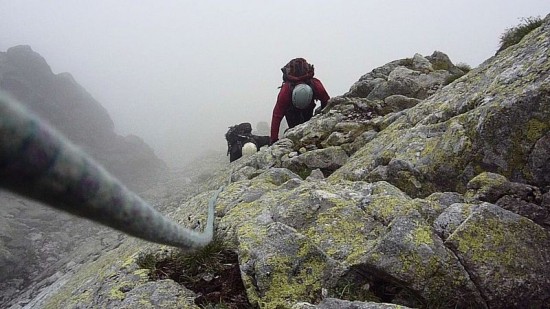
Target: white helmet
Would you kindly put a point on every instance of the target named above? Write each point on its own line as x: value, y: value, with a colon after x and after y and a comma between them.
x: 302, y: 95
x: 249, y: 149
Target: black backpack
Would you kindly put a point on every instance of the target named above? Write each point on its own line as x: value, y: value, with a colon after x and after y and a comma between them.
x: 236, y: 137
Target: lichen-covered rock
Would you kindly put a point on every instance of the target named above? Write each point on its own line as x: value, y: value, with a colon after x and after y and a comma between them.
x: 359, y: 141
x: 490, y: 121
x: 506, y: 255
x: 523, y: 199
x: 159, y: 294
x: 334, y: 303
x: 375, y: 229
x: 451, y: 218
x: 280, y: 266
x: 116, y: 281
x: 440, y: 61
x: 539, y: 159
x: 487, y: 187
x: 416, y: 77
x: 327, y: 159
x: 395, y: 103
x: 410, y: 251
x: 446, y: 199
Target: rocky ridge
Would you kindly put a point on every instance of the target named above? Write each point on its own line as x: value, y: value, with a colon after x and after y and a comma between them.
x: 404, y: 192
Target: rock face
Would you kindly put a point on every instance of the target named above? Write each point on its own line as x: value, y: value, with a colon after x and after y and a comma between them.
x: 59, y: 99
x: 404, y: 192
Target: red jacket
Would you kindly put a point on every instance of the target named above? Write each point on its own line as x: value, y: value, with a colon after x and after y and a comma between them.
x: 284, y: 101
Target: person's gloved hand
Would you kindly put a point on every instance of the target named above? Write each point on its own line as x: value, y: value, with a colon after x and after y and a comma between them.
x: 318, y: 110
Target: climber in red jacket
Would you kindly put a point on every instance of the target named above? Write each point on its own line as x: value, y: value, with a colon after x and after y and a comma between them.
x: 296, y: 99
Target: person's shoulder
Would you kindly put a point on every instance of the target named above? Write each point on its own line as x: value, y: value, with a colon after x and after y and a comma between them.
x: 285, y: 87
x: 317, y: 82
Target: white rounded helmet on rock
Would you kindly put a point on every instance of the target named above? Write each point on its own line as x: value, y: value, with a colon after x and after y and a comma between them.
x: 249, y: 149
x: 302, y: 94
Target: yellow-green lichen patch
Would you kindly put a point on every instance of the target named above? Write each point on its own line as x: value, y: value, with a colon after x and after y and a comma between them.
x: 502, y: 251
x: 489, y: 241
x: 487, y: 180
x: 142, y: 273
x: 445, y: 156
x: 343, y: 233
x: 77, y: 289
x: 244, y: 212
x: 416, y: 267
x: 428, y: 209
x: 428, y: 267
x: 419, y: 253
x: 81, y: 300
x: 299, y: 207
x: 303, y: 285
x: 241, y: 216
x: 250, y: 235
x: 282, y: 266
x: 230, y: 195
x: 385, y: 208
x: 129, y: 261
x: 422, y: 235
x: 365, y: 159
x: 116, y: 292
x: 483, y: 184
x: 385, y: 188
x: 536, y: 129
x: 267, y: 183
x: 492, y: 236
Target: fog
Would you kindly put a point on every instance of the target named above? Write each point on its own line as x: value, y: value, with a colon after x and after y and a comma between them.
x: 179, y: 73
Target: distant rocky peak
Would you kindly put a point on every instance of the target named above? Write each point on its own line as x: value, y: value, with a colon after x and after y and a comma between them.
x: 28, y: 60
x: 64, y: 103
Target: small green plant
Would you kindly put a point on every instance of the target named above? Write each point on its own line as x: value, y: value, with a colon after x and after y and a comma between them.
x: 209, y: 259
x: 407, y: 62
x: 439, y: 64
x: 303, y: 172
x: 452, y: 78
x: 513, y: 35
x: 354, y: 292
x: 212, y: 272
x: 464, y: 67
x: 147, y: 260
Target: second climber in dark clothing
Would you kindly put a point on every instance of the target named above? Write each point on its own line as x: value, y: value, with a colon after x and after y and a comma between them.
x: 296, y: 99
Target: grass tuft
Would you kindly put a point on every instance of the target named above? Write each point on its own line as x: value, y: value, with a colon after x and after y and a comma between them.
x: 513, y: 35
x: 212, y: 272
x: 464, y: 67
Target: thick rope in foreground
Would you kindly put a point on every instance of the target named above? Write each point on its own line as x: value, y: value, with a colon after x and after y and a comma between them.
x: 38, y: 162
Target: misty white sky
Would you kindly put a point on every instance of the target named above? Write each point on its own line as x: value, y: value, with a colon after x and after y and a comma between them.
x: 178, y: 73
